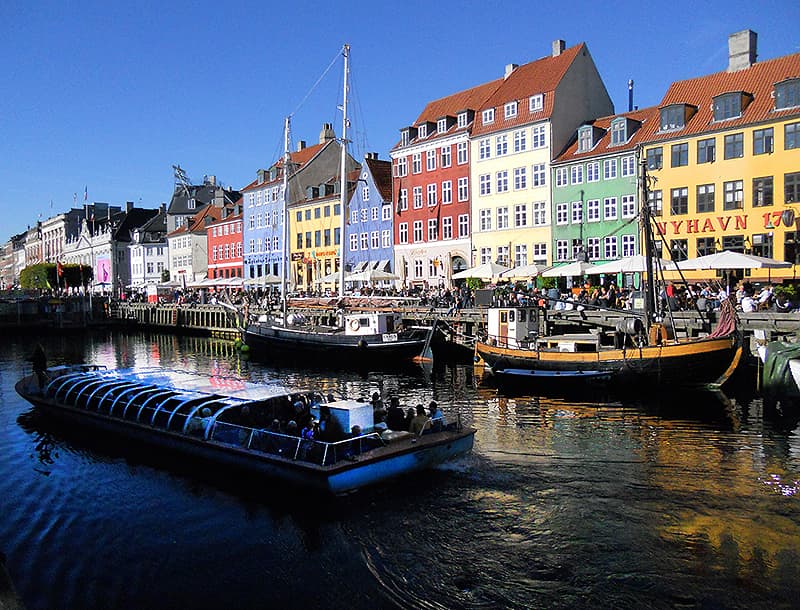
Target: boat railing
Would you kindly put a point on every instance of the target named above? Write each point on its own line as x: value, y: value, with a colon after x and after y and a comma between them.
x: 293, y: 447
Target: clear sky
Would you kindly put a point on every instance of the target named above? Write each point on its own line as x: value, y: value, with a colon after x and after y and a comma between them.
x: 107, y: 96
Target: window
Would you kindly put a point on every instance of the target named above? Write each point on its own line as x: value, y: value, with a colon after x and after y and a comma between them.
x: 484, y: 149
x: 538, y: 174
x: 386, y: 212
x: 705, y: 245
x: 585, y: 140
x: 417, y: 230
x: 501, y: 145
x: 791, y: 136
x: 577, y: 212
x: 402, y: 204
x: 593, y: 248
x: 734, y: 195
x: 416, y: 163
x: 353, y: 217
x: 422, y: 131
x: 791, y: 247
x: 485, y: 184
x: 447, y: 227
x: 364, y: 196
x: 520, y: 178
x: 562, y: 213
x: 488, y: 116
x: 446, y: 156
x: 520, y: 255
x: 610, y: 208
x: 520, y: 140
x: 537, y: 138
x: 628, y: 166
x: 502, y: 255
x: 762, y: 191
x: 510, y: 110
x: 705, y: 198
x: 536, y: 102
x: 433, y: 229
x: 354, y: 242
x: 308, y: 239
x: 463, y: 188
x: 593, y: 210
x: 705, y: 151
x: 463, y: 225
x: 402, y: 232
x: 762, y: 141
x: 386, y: 239
x: 520, y: 215
x: 417, y: 268
x: 462, y: 153
x: 791, y: 186
x: 762, y: 244
x: 375, y: 213
x: 593, y: 171
x: 787, y: 94
x: 540, y: 253
x: 417, y: 192
x: 610, y: 246
x: 619, y: 132
x: 486, y: 255
x: 192, y: 204
x: 462, y: 119
x: 609, y: 169
x: 502, y: 181
x: 679, y: 200
x: 734, y: 146
x: 673, y: 117
x: 628, y: 245
x: 562, y: 249
x: 299, y: 242
x: 576, y: 174
x: 628, y: 203
x: 577, y: 248
x: 679, y: 249
x: 539, y: 213
x: 447, y: 191
x: 431, y: 195
x: 680, y: 155
x: 561, y: 176
x: 485, y: 219
x: 655, y: 158
x: 364, y: 215
x: 502, y: 217
x: 326, y: 238
x: 364, y: 241
x: 430, y: 160
x: 727, y: 106
x: 441, y: 125
x: 734, y: 243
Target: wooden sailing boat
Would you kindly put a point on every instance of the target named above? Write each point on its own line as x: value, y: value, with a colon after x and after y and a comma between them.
x: 640, y: 352
x: 369, y: 336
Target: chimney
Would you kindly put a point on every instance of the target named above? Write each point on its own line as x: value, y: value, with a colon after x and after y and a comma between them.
x: 741, y: 50
x: 326, y: 133
x: 301, y: 145
x: 509, y: 69
x: 211, y: 180
x: 128, y: 206
x: 630, y: 95
x: 371, y: 155
x: 162, y: 208
x: 558, y: 47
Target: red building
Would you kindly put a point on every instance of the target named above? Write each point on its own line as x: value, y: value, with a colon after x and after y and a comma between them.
x: 225, y: 246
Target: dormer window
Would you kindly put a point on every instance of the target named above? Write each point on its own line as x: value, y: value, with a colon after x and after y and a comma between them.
x: 787, y: 94
x: 422, y: 131
x: 585, y: 139
x: 729, y: 105
x: 192, y: 204
x: 619, y: 132
x: 441, y: 125
x: 488, y: 116
x: 462, y: 119
x: 673, y: 117
x: 510, y: 110
x: 536, y: 102
x: 404, y: 137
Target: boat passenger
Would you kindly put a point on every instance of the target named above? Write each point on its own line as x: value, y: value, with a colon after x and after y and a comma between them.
x: 39, y: 364
x: 330, y: 430
x: 437, y: 417
x: 420, y: 422
x: 395, y: 418
x: 410, y: 414
x: 291, y: 428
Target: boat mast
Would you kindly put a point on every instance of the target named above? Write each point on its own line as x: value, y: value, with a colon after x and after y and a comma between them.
x: 650, y: 294
x: 285, y: 216
x: 343, y: 174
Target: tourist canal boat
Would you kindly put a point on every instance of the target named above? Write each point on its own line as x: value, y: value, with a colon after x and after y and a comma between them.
x: 230, y: 422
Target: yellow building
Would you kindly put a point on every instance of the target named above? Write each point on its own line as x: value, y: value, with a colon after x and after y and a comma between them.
x: 315, y: 236
x: 725, y: 156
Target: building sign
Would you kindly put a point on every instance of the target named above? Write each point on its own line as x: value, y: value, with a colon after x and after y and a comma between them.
x: 738, y: 222
x: 103, y: 275
x: 297, y: 256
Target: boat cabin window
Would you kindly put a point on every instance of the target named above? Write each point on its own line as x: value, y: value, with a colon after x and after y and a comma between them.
x: 511, y: 316
x: 503, y: 317
x: 522, y: 315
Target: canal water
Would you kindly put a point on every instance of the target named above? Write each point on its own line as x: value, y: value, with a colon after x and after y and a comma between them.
x: 686, y: 501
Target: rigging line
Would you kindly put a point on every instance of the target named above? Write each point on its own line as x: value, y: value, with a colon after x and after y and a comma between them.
x: 314, y: 86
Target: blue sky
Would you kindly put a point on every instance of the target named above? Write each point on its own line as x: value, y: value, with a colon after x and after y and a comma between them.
x: 108, y: 96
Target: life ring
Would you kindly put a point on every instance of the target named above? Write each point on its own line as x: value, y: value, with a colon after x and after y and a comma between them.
x: 354, y: 325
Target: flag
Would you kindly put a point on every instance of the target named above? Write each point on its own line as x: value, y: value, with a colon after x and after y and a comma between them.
x: 86, y: 193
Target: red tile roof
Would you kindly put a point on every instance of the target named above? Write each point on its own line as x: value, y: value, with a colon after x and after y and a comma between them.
x: 757, y: 80
x: 382, y: 175
x: 645, y: 116
x: 298, y: 157
x: 540, y: 76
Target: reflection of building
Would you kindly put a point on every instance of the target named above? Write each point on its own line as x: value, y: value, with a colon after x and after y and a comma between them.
x: 726, y: 155
x: 596, y: 190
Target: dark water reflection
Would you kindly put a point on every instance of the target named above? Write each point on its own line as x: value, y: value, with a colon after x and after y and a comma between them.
x: 590, y: 501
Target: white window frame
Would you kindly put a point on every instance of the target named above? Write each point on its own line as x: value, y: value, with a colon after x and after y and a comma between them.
x: 593, y: 210
x: 536, y: 102
x: 487, y: 116
x: 510, y: 110
x: 610, y: 208
x: 463, y: 188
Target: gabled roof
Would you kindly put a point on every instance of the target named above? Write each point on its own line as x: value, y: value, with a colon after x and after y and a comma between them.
x: 540, y: 76
x: 603, y: 146
x: 381, y: 172
x: 198, y: 222
x: 298, y: 158
x: 758, y: 80
x: 156, y: 225
x: 128, y: 221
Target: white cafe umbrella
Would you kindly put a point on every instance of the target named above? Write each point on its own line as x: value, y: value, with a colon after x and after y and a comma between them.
x: 331, y: 278
x: 485, y: 271
x: 530, y: 270
x: 732, y: 260
x: 269, y: 278
x: 570, y: 270
x: 371, y: 275
x: 632, y: 264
